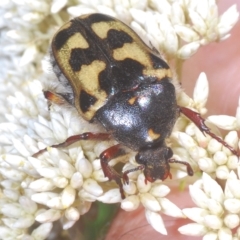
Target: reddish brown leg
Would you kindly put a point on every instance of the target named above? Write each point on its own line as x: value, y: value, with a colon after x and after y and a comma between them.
x: 125, y: 174
x: 199, y: 122
x: 75, y: 138
x: 105, y: 157
x: 189, y: 168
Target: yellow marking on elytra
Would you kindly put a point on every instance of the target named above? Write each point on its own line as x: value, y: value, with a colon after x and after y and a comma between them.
x: 132, y: 100
x: 101, y: 29
x: 88, y: 79
x: 152, y: 135
x: 159, y: 73
x: 134, y: 51
x: 88, y: 76
x: 77, y: 41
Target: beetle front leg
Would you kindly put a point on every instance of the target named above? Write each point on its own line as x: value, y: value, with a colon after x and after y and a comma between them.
x: 189, y: 168
x: 76, y: 138
x: 105, y: 157
x: 199, y: 122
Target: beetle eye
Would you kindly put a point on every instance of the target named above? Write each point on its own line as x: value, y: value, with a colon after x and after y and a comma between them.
x: 169, y: 153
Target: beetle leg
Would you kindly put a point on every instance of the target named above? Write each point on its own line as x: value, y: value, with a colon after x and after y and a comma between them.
x: 75, y: 138
x: 189, y: 168
x: 125, y: 174
x: 105, y: 157
x: 199, y: 122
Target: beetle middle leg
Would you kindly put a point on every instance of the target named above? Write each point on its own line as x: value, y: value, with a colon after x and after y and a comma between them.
x: 199, y: 122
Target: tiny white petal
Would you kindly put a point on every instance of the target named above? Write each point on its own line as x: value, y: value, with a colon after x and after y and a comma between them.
x: 232, y: 139
x: 72, y: 214
x: 84, y: 207
x: 27, y: 204
x: 207, y: 165
x: 198, y: 23
x: 195, y: 214
x: 232, y: 162
x: 215, y: 207
x: 12, y: 210
x: 222, y: 172
x: 111, y: 196
x: 50, y: 215
x: 84, y: 166
x: 76, y: 180
x: 78, y: 10
x: 48, y: 172
x: 171, y: 43
x: 212, y: 188
x: 25, y: 222
x: 156, y: 221
x: 214, y: 146
x: 99, y: 176
x: 198, y: 196
x: 55, y: 203
x: 67, y: 224
x: 57, y: 5
x: 106, y: 10
x: 141, y: 185
x: 60, y: 182
x: 59, y: 130
x: 86, y: 196
x: 170, y: 208
x: 29, y: 55
x: 92, y: 187
x: 43, y: 197
x: 188, y: 50
x: 234, y: 186
x: 43, y: 131
x: 66, y: 168
x: 186, y: 141
x: 150, y: 202
x: 186, y: 33
x: 11, y: 194
x: 68, y: 196
x: 193, y: 229
x: 224, y: 234
x: 130, y: 203
x: 177, y: 13
x: 232, y: 205
x: 210, y: 236
x: 159, y: 190
x: 42, y: 185
x: 42, y: 231
x: 231, y: 220
x: 130, y: 188
x: 224, y: 121
x: 213, y: 221
x: 201, y: 90
x: 228, y: 20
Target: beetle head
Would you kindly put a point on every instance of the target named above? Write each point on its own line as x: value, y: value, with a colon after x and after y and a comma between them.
x: 155, y: 162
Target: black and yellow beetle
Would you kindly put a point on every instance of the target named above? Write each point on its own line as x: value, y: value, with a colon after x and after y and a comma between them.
x: 112, y: 77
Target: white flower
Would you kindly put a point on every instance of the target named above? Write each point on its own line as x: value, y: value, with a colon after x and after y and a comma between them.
x: 218, y: 210
x: 61, y: 184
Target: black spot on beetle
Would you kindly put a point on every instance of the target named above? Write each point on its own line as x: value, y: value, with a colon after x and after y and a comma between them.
x: 116, y: 39
x: 86, y: 101
x: 157, y: 62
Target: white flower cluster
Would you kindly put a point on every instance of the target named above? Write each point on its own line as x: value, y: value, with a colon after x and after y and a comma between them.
x: 218, y: 211
x: 61, y: 184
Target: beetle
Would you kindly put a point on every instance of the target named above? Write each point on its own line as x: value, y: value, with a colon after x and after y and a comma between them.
x: 112, y: 77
